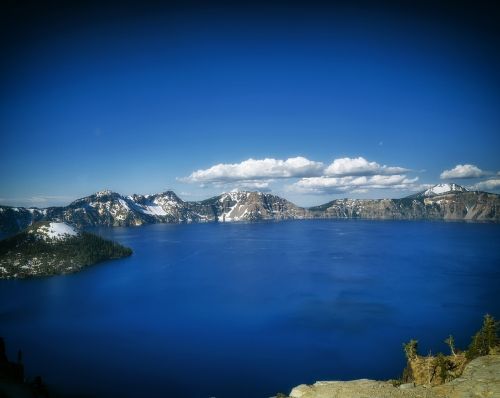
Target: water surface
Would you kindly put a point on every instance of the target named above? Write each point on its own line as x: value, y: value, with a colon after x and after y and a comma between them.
x: 219, y: 310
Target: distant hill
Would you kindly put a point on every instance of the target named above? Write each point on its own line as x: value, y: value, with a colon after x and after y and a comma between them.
x: 440, y: 202
x: 50, y: 248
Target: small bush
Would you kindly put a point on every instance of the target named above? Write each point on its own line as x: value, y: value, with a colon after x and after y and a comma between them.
x: 411, y: 349
x: 441, y: 368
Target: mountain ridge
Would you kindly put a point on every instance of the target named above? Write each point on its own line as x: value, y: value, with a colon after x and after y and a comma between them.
x: 110, y: 208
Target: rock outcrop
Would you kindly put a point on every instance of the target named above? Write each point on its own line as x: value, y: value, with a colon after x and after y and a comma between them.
x: 481, y: 378
x: 467, y: 206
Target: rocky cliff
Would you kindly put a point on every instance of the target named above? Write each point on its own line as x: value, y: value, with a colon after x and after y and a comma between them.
x: 112, y: 209
x: 472, y: 206
x: 481, y: 378
x: 442, y: 202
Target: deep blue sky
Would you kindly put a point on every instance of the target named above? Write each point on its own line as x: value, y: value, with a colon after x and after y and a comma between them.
x: 133, y: 98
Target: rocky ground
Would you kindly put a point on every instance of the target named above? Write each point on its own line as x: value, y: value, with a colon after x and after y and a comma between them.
x: 481, y: 378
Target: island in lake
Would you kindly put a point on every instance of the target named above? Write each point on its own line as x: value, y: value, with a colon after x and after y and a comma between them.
x: 52, y: 248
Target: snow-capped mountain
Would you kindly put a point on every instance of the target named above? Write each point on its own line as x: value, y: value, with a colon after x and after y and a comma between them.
x: 440, y: 202
x: 162, y: 204
x: 253, y: 206
x: 443, y: 201
x: 441, y: 189
x: 112, y: 209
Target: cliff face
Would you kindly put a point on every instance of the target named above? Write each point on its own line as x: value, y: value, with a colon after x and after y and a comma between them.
x: 254, y: 206
x: 112, y: 209
x: 382, y: 209
x: 472, y: 206
x: 466, y: 206
x: 481, y: 378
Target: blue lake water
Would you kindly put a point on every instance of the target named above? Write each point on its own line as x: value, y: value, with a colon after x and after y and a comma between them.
x: 218, y: 310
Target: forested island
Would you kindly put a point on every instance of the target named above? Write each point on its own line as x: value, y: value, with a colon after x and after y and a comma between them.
x: 52, y: 248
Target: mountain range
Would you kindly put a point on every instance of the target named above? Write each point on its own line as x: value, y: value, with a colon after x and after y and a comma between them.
x: 441, y: 202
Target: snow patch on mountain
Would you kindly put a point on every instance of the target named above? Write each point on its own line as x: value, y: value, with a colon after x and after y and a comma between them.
x: 105, y: 192
x: 54, y: 230
x: 164, y: 204
x: 443, y: 188
x: 152, y: 209
x: 234, y: 206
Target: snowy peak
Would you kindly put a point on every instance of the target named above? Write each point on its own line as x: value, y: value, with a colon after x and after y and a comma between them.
x: 53, y: 231
x: 105, y: 192
x: 160, y: 204
x: 437, y: 190
x: 235, y: 196
x: 116, y: 209
x: 441, y: 189
x: 104, y: 195
x: 252, y: 206
x: 101, y: 196
x: 107, y: 208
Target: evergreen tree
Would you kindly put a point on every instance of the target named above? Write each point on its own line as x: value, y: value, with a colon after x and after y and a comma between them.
x: 485, y: 339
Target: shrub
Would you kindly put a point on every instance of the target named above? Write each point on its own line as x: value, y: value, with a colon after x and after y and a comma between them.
x: 411, y: 349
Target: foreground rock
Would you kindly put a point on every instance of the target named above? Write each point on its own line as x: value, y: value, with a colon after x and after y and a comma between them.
x: 51, y: 248
x: 481, y: 378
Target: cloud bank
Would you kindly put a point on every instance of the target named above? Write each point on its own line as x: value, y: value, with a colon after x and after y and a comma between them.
x: 360, y: 167
x: 342, y: 175
x: 256, y: 169
x: 463, y: 171
x: 324, y: 184
x: 346, y: 174
x: 487, y: 185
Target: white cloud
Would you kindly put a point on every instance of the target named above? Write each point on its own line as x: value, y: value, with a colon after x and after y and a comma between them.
x: 326, y: 184
x: 255, y: 184
x: 255, y: 169
x: 298, y: 167
x: 487, y: 185
x: 463, y: 171
x: 37, y: 201
x: 356, y: 175
x: 360, y: 166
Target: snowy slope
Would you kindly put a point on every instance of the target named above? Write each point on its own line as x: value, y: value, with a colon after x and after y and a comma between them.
x: 53, y: 231
x: 443, y: 188
x: 442, y: 201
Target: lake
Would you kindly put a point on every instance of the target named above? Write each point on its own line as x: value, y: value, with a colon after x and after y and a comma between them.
x: 252, y: 309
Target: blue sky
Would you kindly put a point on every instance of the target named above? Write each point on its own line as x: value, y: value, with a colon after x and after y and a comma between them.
x: 138, y: 102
